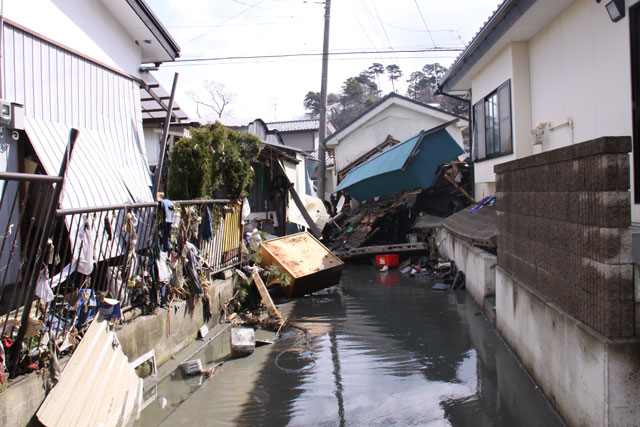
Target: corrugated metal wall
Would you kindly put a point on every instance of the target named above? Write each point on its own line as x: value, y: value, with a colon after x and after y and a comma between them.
x: 60, y: 90
x: 59, y: 86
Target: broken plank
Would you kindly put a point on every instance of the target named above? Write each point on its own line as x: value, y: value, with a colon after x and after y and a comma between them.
x: 312, y: 225
x: 266, y: 298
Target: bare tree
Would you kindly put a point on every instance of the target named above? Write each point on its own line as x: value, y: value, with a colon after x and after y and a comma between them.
x: 215, y: 96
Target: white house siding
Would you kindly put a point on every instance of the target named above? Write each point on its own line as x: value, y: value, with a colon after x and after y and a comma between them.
x: 84, y: 26
x: 511, y: 64
x: 152, y: 138
x: 399, y: 122
x: 577, y: 67
x: 580, y: 69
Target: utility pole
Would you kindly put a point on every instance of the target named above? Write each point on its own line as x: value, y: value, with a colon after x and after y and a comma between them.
x: 323, y: 103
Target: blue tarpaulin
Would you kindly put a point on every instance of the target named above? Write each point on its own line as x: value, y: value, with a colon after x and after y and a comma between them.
x: 409, y: 165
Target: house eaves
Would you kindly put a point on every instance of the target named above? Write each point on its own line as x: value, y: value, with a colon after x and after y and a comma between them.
x: 393, y: 98
x: 145, y: 28
x: 500, y: 30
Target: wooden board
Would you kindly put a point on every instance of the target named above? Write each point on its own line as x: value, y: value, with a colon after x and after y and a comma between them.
x: 300, y: 254
x: 309, y: 263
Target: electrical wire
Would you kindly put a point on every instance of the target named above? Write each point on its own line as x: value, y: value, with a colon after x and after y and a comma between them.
x: 425, y: 23
x: 293, y: 55
x: 224, y: 22
x: 366, y: 33
x: 287, y: 60
x: 384, y: 31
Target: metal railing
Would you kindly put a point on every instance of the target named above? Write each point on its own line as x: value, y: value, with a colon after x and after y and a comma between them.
x: 58, y: 268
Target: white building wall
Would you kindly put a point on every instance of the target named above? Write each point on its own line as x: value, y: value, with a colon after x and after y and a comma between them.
x: 580, y: 70
x: 399, y: 122
x: 486, y: 81
x: 86, y: 27
x: 152, y: 138
x: 576, y: 68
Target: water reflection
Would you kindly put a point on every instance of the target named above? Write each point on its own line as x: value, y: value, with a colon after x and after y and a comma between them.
x: 381, y: 349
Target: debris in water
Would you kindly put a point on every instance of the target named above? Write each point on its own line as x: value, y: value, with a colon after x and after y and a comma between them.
x: 243, y: 341
x: 210, y: 372
x: 192, y: 367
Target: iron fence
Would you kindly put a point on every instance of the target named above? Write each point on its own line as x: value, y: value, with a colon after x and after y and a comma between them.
x: 77, y: 261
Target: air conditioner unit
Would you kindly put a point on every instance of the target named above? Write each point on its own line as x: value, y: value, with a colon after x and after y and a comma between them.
x: 537, y: 134
x: 5, y: 112
x: 11, y: 115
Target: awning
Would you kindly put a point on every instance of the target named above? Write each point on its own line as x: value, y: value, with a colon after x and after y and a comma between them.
x: 409, y: 165
x: 107, y: 167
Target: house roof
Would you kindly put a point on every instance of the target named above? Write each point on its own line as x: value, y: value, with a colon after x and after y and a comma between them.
x: 391, y: 98
x: 145, y: 28
x: 500, y: 30
x: 329, y: 160
x: 409, y: 165
x: 294, y: 125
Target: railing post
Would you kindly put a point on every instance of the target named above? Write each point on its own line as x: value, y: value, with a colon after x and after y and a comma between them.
x: 35, y: 272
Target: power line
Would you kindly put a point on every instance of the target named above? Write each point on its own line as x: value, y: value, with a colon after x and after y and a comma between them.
x: 290, y: 55
x: 384, y: 30
x: 366, y: 33
x: 224, y: 22
x: 281, y: 60
x: 425, y: 23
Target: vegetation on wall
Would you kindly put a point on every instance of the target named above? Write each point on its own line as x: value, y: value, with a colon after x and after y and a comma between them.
x: 214, y: 159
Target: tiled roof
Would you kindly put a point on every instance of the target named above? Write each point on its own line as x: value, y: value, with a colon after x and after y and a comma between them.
x: 328, y: 158
x: 294, y: 125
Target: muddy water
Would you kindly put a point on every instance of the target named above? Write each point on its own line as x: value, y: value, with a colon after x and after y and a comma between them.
x: 381, y: 349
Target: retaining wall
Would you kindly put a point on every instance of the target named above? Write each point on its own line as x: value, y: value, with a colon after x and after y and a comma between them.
x: 166, y: 333
x: 478, y: 265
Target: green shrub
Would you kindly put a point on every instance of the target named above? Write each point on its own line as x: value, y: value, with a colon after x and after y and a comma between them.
x: 214, y: 158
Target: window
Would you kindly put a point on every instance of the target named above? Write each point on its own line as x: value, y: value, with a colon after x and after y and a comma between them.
x: 492, y: 124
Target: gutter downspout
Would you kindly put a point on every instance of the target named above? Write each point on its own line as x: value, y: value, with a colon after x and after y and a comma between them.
x: 439, y: 91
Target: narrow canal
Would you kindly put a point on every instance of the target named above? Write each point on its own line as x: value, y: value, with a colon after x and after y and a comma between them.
x: 382, y: 349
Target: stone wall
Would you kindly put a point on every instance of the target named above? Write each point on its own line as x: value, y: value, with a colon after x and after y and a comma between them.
x: 563, y: 230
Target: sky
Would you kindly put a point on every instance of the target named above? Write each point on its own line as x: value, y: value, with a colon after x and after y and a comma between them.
x: 273, y: 89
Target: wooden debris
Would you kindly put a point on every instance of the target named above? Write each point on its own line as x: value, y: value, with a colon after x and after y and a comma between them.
x: 266, y: 298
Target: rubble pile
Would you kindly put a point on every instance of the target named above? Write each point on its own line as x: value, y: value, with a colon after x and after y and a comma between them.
x: 395, y: 218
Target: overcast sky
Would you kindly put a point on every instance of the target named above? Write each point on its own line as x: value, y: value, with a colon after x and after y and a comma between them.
x: 274, y: 88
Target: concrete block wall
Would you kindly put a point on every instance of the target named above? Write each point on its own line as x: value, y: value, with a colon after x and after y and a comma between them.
x: 564, y: 230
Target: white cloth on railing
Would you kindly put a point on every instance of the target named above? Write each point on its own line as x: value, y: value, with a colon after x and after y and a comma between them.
x: 63, y: 275
x: 43, y: 288
x: 86, y: 257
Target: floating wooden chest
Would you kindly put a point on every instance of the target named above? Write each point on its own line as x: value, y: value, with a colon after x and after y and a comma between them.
x: 309, y: 263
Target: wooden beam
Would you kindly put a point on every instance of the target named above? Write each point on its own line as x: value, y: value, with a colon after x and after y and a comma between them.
x: 266, y: 298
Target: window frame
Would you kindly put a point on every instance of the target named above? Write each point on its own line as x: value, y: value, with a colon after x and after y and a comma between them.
x: 491, y: 108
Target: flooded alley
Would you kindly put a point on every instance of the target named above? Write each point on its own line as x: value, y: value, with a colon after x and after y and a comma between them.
x: 381, y: 348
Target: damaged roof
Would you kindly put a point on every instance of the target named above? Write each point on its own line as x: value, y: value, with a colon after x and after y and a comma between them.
x: 409, y: 165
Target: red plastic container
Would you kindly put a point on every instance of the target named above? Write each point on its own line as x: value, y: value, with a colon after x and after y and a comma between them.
x: 390, y: 260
